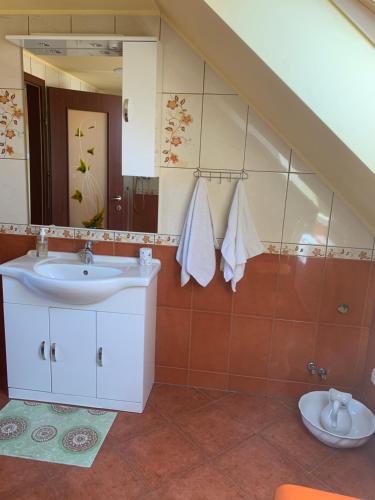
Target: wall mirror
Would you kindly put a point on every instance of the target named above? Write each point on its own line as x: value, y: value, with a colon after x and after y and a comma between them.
x: 74, y: 139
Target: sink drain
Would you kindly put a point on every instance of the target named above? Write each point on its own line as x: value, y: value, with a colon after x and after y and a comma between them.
x: 85, y: 272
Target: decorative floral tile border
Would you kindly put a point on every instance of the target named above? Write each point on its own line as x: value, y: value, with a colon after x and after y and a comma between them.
x: 140, y: 238
x: 303, y: 250
x: 349, y: 253
x: 271, y: 247
x: 12, y: 130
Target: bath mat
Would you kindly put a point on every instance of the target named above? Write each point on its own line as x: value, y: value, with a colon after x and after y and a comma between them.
x: 53, y: 432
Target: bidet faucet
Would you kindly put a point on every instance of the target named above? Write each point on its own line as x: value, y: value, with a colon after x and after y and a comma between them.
x: 86, y: 254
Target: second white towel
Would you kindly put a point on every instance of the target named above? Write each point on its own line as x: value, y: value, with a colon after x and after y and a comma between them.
x: 196, y: 251
x: 241, y: 240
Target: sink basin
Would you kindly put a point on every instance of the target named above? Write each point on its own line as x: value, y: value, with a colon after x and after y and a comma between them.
x: 63, y: 277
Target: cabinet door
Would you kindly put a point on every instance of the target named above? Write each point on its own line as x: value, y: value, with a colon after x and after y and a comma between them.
x: 73, y: 351
x: 27, y: 347
x: 120, y: 356
x: 141, y: 113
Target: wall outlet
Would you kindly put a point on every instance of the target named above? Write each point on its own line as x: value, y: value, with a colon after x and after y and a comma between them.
x: 373, y: 376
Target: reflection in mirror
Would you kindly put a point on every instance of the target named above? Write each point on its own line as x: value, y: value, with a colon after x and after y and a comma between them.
x: 74, y: 113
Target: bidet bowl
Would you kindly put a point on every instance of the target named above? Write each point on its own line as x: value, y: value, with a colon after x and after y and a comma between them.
x: 311, y: 405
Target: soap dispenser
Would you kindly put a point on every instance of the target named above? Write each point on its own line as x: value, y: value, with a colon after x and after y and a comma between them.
x: 42, y: 243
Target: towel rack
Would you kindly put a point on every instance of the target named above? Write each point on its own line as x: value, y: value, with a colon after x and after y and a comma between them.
x: 221, y: 174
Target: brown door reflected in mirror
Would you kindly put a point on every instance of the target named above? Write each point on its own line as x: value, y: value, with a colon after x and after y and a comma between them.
x: 85, y: 158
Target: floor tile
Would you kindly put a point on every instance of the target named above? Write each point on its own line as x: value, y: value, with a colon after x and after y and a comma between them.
x: 172, y: 400
x: 128, y: 425
x: 110, y: 477
x: 255, y: 412
x: 161, y: 454
x: 291, y: 437
x: 351, y: 472
x: 258, y: 469
x: 213, y: 428
x: 205, y: 482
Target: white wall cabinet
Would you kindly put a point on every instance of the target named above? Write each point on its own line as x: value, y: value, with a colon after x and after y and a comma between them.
x: 141, y: 93
x: 99, y: 355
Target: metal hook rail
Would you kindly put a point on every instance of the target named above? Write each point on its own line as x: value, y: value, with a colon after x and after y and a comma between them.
x: 221, y: 174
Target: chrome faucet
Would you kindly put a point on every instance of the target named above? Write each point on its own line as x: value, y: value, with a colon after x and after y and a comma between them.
x: 87, y: 254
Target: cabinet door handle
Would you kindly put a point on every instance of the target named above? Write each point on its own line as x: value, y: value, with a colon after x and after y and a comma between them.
x: 126, y: 110
x: 53, y: 351
x: 100, y: 356
x: 43, y: 350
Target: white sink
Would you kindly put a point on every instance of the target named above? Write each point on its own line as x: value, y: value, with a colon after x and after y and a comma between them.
x: 63, y: 277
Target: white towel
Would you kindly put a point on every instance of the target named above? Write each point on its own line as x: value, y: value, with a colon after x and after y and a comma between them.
x: 241, y: 240
x: 196, y: 251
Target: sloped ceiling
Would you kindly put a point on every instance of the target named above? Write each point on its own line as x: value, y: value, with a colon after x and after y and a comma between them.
x: 319, y: 143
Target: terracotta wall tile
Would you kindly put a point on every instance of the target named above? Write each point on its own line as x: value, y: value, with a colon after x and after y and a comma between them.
x: 250, y: 346
x: 201, y: 342
x: 172, y: 337
x: 293, y: 346
x: 256, y: 292
x: 345, y: 283
x: 217, y: 296
x: 369, y: 314
x: 208, y: 379
x: 170, y: 292
x: 251, y: 385
x: 167, y: 375
x: 12, y: 246
x: 299, y: 288
x: 209, y: 341
x: 337, y: 350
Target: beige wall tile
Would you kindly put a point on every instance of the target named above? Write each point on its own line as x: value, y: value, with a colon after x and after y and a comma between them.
x: 11, y: 55
x: 346, y: 230
x: 266, y: 193
x: 50, y: 24
x: 93, y: 24
x: 298, y: 165
x: 138, y: 25
x: 265, y: 150
x: 213, y: 84
x: 38, y: 68
x: 175, y: 189
x: 52, y: 76
x: 26, y: 63
x: 13, y: 191
x: 223, y: 132
x: 182, y: 67
x: 308, y: 210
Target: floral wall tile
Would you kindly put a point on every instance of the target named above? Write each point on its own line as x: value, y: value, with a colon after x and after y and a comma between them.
x: 167, y: 239
x: 12, y: 139
x: 303, y: 250
x: 272, y: 247
x: 181, y: 128
x: 95, y: 235
x: 349, y: 253
x: 140, y: 238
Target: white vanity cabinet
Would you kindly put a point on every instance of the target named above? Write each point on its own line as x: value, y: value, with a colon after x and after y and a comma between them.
x: 99, y: 355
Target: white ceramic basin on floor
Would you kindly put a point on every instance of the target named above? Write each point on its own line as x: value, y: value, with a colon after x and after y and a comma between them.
x: 63, y: 277
x: 363, y: 421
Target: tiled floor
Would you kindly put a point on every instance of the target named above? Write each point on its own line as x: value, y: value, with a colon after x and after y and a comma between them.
x: 193, y: 444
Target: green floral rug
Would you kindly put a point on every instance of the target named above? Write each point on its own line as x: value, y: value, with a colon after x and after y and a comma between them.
x: 53, y: 432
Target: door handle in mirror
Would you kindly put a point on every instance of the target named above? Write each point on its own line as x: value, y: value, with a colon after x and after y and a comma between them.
x: 43, y: 350
x: 126, y: 110
x: 53, y: 351
x: 100, y: 356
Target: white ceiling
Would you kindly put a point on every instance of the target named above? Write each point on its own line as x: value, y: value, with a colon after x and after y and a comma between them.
x: 95, y: 70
